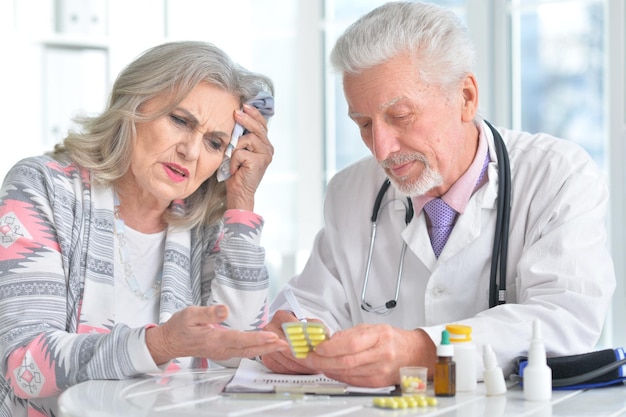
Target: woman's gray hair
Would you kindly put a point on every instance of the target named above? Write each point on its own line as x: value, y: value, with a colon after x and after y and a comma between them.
x: 172, y: 70
x: 434, y: 36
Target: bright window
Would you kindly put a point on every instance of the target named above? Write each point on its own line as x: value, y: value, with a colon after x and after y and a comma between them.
x: 559, y: 71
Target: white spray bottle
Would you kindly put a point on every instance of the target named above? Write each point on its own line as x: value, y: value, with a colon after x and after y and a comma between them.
x: 493, y: 376
x: 537, y: 375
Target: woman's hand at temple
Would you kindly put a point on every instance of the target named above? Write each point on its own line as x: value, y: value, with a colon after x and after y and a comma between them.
x: 249, y: 160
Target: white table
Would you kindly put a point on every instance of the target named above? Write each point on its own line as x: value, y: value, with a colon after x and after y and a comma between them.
x: 197, y: 394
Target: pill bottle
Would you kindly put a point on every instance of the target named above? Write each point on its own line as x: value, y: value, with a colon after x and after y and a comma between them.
x: 464, y: 356
x: 537, y: 375
x: 445, y: 369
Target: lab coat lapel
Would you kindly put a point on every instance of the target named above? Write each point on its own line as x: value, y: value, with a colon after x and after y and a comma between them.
x: 416, y: 237
x: 468, y: 225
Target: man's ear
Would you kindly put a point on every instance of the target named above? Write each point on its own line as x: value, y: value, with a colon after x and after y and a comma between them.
x: 470, y: 98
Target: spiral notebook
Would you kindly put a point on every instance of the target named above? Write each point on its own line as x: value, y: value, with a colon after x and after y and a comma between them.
x: 253, y: 377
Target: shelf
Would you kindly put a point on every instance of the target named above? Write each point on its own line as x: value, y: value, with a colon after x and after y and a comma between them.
x: 80, y: 41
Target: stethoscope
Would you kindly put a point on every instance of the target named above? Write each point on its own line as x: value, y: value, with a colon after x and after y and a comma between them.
x: 497, y: 284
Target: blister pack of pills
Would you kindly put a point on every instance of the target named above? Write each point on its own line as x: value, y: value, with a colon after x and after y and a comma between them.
x: 304, y: 336
x: 406, y: 401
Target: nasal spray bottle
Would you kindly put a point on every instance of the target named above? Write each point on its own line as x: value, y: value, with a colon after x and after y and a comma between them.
x: 537, y: 375
x: 493, y: 376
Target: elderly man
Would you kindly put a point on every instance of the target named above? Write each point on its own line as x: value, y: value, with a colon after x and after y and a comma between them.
x: 409, y: 85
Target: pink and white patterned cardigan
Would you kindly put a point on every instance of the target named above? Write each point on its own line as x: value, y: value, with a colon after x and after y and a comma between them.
x: 56, y: 254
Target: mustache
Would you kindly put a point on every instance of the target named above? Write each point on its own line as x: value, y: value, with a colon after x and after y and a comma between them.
x: 404, y: 158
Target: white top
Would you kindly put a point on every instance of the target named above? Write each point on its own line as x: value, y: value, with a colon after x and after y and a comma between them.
x: 146, y: 258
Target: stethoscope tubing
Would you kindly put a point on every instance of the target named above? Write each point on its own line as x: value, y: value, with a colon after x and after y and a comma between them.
x: 408, y: 216
x: 497, y: 285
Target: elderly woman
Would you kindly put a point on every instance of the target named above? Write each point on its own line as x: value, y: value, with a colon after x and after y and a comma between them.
x: 122, y: 253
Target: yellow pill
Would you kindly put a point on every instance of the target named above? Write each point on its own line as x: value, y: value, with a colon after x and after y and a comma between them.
x: 391, y: 404
x: 411, y: 402
x: 301, y: 349
x: 293, y: 330
x: 318, y: 337
x: 408, y: 380
x: 432, y: 401
x: 315, y: 330
x: 378, y: 402
x: 296, y: 337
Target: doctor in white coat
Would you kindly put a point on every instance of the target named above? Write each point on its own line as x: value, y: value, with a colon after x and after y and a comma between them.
x: 411, y: 90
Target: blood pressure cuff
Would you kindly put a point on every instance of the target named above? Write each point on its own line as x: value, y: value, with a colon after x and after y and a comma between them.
x: 588, y: 370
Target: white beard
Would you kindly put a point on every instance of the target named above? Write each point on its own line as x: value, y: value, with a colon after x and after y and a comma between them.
x: 421, y: 185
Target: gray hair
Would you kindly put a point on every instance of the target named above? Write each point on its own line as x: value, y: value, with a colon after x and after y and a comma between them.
x: 434, y: 36
x: 172, y: 70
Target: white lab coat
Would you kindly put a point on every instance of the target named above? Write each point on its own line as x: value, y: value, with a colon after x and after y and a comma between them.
x: 559, y: 267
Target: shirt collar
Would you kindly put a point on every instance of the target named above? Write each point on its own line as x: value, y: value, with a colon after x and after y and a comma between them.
x: 459, y: 194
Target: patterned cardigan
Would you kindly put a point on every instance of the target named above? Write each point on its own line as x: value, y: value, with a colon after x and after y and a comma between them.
x: 57, y: 321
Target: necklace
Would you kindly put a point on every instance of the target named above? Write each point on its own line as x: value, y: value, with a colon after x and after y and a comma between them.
x: 129, y: 276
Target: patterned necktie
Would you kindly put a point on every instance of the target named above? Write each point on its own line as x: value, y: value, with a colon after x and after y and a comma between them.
x: 441, y: 218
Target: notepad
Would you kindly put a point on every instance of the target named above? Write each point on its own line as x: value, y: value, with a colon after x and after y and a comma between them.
x: 254, y: 377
